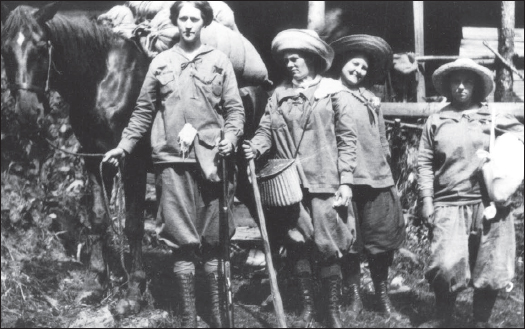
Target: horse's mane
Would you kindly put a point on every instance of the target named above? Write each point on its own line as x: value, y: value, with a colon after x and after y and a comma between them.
x: 81, y: 43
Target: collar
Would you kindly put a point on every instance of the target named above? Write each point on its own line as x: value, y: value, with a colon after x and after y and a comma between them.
x: 204, y: 50
x: 288, y: 90
x: 449, y: 112
x: 307, y: 84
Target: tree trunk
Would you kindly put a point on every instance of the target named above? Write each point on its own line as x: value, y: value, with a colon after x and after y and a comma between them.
x: 504, y: 80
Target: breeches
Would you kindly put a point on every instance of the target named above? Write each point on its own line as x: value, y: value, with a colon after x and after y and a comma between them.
x: 467, y: 248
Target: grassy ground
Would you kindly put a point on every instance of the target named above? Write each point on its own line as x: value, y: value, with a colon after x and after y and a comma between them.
x: 40, y: 285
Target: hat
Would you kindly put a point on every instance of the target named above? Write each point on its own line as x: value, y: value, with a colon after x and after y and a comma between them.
x: 302, y: 40
x: 375, y: 48
x: 441, y: 81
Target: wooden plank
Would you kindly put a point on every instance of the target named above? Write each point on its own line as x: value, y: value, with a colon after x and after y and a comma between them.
x: 475, y: 48
x: 423, y: 110
x: 487, y: 33
x: 419, y: 37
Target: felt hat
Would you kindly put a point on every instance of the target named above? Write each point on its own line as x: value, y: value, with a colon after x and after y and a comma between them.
x: 377, y: 50
x: 440, y: 78
x: 302, y: 40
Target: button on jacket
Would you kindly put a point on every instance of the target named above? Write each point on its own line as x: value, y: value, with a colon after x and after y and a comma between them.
x: 327, y: 155
x: 176, y: 91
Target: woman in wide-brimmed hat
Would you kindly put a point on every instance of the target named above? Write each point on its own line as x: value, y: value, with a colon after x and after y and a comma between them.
x: 360, y: 61
x: 306, y: 114
x: 467, y: 248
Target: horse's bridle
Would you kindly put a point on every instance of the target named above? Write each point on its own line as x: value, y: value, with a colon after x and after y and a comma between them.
x: 32, y: 88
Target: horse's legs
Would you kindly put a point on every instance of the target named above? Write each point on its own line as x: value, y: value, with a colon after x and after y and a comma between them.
x: 99, y: 222
x: 134, y: 179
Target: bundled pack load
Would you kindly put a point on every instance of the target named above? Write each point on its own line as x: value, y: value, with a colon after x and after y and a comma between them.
x: 120, y: 19
x: 156, y: 33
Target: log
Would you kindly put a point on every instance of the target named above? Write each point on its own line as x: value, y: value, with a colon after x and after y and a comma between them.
x: 423, y: 110
x: 504, y: 82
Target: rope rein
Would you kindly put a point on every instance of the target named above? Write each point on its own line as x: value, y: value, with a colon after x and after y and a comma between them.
x: 119, y: 200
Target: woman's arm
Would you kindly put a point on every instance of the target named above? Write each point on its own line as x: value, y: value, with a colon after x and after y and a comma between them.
x: 382, y: 133
x: 232, y: 103
x: 346, y: 136
x: 426, y: 170
x: 143, y: 114
x: 262, y: 140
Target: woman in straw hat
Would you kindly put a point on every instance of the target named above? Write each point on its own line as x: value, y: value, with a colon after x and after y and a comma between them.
x: 467, y: 248
x: 320, y: 224
x: 362, y: 60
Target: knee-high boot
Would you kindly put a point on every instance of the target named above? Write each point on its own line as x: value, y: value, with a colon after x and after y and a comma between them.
x: 444, y: 309
x: 214, y: 300
x: 379, y: 265
x: 332, y: 288
x: 351, y: 285
x: 186, y: 287
x: 484, y: 300
x: 307, y: 297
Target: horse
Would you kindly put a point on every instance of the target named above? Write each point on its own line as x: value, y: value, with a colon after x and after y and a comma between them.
x: 99, y: 74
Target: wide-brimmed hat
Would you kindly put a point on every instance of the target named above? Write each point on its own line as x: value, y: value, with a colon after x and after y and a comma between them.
x: 302, y: 40
x: 377, y: 50
x: 440, y: 78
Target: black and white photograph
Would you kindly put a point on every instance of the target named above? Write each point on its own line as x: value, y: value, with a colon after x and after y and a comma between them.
x: 262, y: 164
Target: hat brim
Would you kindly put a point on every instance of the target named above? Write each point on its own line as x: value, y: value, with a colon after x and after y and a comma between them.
x: 375, y: 48
x: 299, y: 40
x: 440, y: 78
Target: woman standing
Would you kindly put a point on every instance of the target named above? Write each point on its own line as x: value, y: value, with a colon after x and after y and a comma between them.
x: 467, y: 248
x: 362, y: 60
x: 189, y: 94
x: 305, y: 115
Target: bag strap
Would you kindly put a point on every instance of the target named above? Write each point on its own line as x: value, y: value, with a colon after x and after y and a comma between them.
x: 309, y: 114
x: 492, y: 129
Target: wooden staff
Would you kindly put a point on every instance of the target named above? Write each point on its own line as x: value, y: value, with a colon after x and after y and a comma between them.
x: 277, y: 301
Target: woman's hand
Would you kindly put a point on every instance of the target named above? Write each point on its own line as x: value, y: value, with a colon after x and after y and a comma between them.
x: 343, y: 196
x: 427, y: 211
x: 249, y: 150
x: 114, y: 156
x: 225, y: 148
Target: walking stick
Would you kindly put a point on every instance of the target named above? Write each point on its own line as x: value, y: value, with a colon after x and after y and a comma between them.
x: 277, y: 301
x: 224, y: 238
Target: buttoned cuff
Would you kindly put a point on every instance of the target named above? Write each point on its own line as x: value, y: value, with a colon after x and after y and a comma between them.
x: 127, y: 145
x: 426, y: 193
x: 346, y: 178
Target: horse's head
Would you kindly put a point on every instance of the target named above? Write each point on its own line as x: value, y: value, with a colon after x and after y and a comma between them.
x: 26, y: 53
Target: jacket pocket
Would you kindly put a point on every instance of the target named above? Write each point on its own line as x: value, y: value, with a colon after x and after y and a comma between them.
x: 166, y: 79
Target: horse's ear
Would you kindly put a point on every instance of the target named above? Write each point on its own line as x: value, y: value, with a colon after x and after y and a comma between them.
x: 5, y: 12
x: 47, y: 12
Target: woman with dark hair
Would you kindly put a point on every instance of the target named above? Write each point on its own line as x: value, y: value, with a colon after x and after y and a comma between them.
x: 189, y: 95
x: 363, y: 60
x: 306, y: 120
x: 468, y: 246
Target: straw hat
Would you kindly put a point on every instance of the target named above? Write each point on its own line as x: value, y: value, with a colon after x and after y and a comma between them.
x: 440, y: 78
x: 302, y: 40
x: 375, y: 48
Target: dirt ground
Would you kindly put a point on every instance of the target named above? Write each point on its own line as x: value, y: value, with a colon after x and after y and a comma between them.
x: 41, y: 288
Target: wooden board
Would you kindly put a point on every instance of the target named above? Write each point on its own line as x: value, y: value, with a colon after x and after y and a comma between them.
x: 488, y: 33
x: 475, y: 48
